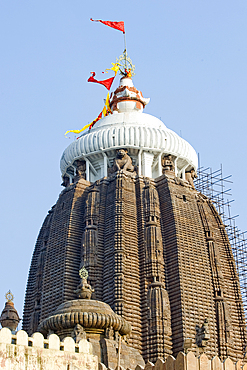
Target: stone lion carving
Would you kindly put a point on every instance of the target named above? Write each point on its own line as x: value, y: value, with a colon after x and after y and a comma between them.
x: 81, y: 169
x: 122, y: 162
x: 167, y: 163
x: 190, y: 176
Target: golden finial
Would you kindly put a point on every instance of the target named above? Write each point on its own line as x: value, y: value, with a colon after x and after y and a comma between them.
x: 9, y: 296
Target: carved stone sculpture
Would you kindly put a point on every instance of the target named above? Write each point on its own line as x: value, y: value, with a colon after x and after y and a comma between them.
x: 190, y: 176
x: 81, y: 169
x: 122, y: 162
x: 167, y: 163
x: 84, y: 290
x: 109, y: 333
x: 202, y: 334
x: 78, y: 333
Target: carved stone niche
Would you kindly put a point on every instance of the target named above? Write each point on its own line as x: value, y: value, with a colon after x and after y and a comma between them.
x: 80, y: 169
x: 167, y: 163
x: 190, y: 176
x: 122, y: 162
x: 202, y: 334
x: 78, y: 333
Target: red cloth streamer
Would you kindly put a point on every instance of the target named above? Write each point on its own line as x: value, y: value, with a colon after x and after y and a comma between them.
x: 96, y: 120
x: 117, y: 25
x: 107, y: 83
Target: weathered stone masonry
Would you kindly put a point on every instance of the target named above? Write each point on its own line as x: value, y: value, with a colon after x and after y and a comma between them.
x: 156, y: 252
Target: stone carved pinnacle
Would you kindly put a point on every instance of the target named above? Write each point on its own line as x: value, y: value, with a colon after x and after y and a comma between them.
x: 9, y: 317
x: 84, y: 290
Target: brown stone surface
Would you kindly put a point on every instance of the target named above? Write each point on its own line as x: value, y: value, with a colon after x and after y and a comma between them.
x: 156, y: 252
x: 53, y: 275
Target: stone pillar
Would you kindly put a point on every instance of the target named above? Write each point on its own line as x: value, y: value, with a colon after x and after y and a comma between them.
x: 147, y: 160
x: 140, y: 162
x: 105, y: 165
x: 87, y: 170
x: 159, y: 165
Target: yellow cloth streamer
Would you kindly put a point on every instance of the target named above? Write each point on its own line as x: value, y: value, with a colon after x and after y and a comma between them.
x: 78, y: 131
x: 114, y: 68
x: 106, y: 110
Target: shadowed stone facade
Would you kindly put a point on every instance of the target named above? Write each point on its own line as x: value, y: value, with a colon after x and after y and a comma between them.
x: 156, y: 252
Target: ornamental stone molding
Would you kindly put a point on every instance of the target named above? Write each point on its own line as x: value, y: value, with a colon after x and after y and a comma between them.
x: 88, y: 313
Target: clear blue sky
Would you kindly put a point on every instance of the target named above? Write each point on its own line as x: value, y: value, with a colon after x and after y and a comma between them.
x: 190, y: 59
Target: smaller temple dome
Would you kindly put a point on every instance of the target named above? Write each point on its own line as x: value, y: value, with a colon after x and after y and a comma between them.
x: 9, y: 317
x: 92, y: 316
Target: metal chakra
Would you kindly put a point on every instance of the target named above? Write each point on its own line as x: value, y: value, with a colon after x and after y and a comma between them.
x: 83, y: 273
x: 9, y: 296
x: 125, y: 63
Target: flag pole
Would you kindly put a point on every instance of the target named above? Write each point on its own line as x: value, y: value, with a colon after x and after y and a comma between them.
x: 125, y: 48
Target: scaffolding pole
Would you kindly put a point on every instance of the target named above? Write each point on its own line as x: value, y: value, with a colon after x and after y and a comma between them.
x: 216, y: 187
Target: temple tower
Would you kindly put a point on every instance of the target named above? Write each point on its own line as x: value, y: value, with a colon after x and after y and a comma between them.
x: 156, y: 249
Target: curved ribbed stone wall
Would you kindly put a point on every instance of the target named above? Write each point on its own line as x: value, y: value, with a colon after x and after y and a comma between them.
x: 86, y: 312
x: 139, y: 132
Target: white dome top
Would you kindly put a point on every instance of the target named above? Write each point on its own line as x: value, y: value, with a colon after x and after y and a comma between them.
x: 131, y: 129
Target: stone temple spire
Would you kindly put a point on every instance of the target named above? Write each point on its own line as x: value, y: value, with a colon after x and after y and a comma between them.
x: 156, y: 250
x: 9, y: 316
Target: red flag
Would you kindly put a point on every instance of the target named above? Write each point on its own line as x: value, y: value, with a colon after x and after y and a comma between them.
x: 107, y: 83
x: 117, y: 25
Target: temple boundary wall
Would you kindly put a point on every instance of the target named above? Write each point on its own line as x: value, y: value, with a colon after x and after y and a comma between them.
x: 188, y: 362
x: 20, y: 352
